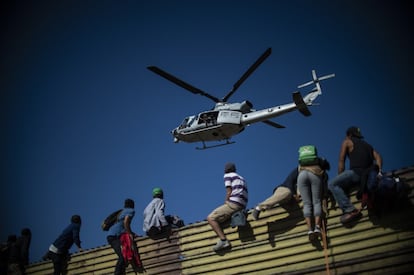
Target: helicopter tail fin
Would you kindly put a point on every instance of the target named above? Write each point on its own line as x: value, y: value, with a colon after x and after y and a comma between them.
x: 300, y: 104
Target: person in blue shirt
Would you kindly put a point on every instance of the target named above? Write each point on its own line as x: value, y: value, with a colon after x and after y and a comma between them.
x: 123, y: 225
x: 59, y: 249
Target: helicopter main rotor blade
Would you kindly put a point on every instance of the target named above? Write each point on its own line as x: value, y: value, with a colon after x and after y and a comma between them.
x: 181, y: 83
x: 248, y: 73
x: 274, y: 124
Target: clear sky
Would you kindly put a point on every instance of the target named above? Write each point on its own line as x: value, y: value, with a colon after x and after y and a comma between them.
x: 85, y: 125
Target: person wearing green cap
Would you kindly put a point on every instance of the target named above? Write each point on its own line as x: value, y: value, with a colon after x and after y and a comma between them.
x: 155, y: 222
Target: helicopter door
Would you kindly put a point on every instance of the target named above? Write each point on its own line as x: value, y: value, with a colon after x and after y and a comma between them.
x: 229, y: 117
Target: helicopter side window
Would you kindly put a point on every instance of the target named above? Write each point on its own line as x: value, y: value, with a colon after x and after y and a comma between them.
x: 204, y: 119
x: 214, y: 116
x: 208, y: 118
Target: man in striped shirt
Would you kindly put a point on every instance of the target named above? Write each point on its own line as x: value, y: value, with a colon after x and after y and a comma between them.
x: 236, y: 200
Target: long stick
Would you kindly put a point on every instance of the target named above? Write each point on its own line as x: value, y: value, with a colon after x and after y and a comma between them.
x: 324, y: 239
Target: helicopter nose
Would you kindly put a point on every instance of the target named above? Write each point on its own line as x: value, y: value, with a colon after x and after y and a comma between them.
x: 175, y: 133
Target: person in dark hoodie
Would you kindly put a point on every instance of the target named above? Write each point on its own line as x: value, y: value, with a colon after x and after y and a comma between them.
x: 362, y: 157
x: 59, y: 249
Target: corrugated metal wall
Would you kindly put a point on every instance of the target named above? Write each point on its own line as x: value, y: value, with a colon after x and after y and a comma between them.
x: 277, y: 243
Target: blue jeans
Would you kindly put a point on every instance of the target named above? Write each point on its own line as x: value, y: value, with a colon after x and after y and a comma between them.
x: 344, y: 181
x: 310, y: 187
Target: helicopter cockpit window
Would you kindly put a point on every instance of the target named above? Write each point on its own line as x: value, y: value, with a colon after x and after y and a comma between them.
x: 184, y: 123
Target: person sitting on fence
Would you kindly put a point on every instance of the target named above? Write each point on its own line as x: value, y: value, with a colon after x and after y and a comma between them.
x: 362, y: 156
x: 281, y: 194
x: 156, y: 223
x: 235, y: 200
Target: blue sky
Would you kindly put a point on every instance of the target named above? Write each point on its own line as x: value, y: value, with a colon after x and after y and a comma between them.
x: 86, y: 125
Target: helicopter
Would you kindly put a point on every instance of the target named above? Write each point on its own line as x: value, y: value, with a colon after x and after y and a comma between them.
x: 226, y: 119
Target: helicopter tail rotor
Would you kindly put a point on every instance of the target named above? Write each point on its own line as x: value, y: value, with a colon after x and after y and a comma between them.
x: 316, y: 81
x: 303, y: 103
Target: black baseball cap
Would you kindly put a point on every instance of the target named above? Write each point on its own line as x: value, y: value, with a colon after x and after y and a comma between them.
x: 354, y: 132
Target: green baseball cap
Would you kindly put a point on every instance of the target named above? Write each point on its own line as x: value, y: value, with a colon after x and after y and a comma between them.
x: 157, y: 191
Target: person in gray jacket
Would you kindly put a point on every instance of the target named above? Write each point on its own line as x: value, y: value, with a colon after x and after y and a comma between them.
x: 155, y: 222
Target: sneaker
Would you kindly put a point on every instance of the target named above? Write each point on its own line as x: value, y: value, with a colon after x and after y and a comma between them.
x: 317, y: 232
x: 348, y: 217
x: 255, y: 214
x: 364, y: 201
x: 311, y: 235
x: 221, y: 245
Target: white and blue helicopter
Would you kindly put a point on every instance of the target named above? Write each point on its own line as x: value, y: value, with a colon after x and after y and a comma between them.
x: 228, y: 119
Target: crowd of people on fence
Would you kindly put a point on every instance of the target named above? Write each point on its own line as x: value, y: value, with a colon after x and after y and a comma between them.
x: 307, y: 182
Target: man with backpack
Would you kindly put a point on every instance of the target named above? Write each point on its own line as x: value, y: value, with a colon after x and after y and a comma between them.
x: 122, y: 225
x: 311, y: 183
x: 362, y: 157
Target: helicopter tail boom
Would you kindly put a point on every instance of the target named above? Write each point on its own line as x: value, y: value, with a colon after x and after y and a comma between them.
x: 265, y: 114
x: 299, y: 103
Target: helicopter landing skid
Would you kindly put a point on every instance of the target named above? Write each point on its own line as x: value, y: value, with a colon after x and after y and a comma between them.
x: 228, y: 142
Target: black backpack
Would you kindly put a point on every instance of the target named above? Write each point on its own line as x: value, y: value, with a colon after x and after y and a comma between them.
x: 110, y: 220
x: 174, y: 221
x: 390, y: 191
